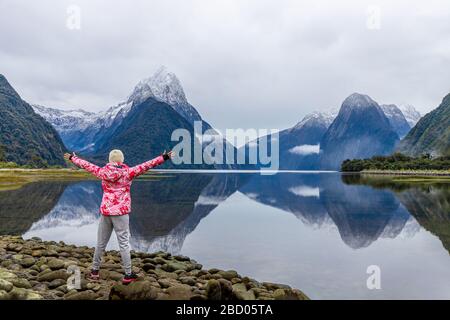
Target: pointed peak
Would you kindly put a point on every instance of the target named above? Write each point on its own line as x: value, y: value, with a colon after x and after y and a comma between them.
x: 358, y: 99
x: 162, y: 85
x: 358, y: 102
x: 410, y: 113
x: 6, y: 88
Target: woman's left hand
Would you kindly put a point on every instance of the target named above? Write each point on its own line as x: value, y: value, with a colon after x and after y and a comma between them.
x: 167, y: 155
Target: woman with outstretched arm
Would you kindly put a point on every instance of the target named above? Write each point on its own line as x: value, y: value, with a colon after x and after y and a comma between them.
x: 116, y: 179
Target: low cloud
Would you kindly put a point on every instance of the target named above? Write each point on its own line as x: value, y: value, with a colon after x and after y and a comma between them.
x: 305, y: 149
x: 305, y: 191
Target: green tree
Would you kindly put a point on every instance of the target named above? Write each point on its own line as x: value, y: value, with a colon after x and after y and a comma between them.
x: 38, y: 162
x: 2, y: 153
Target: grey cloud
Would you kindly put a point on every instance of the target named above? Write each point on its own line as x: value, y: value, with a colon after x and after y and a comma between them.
x: 242, y: 63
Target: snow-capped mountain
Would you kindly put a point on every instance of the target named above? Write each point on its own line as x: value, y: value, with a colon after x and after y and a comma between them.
x: 314, y: 118
x: 165, y: 86
x: 396, y: 119
x: 106, y: 118
x: 65, y: 120
x: 410, y: 113
x: 80, y: 129
x: 299, y: 145
x: 361, y: 130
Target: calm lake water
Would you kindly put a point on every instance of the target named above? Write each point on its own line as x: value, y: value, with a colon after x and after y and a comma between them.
x: 318, y: 232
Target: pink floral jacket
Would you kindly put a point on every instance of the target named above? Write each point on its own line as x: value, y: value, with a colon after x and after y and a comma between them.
x: 116, y: 183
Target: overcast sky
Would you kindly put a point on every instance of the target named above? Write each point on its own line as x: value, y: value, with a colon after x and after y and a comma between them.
x: 249, y: 64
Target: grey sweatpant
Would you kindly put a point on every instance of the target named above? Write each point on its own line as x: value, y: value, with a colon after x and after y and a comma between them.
x: 121, y: 227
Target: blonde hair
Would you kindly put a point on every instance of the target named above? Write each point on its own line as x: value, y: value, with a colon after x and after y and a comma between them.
x: 116, y: 156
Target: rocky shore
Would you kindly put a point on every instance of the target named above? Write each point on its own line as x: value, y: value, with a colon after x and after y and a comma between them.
x: 36, y: 269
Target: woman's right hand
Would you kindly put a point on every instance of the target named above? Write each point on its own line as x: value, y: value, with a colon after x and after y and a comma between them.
x: 167, y: 155
x: 67, y: 156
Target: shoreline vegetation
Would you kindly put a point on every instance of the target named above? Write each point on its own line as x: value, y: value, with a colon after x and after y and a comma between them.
x: 15, y: 178
x: 399, y: 164
x: 418, y: 173
x: 34, y: 270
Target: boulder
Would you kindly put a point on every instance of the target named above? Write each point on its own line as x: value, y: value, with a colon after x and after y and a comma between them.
x: 23, y: 294
x: 148, y: 266
x: 240, y: 292
x: 52, y: 275
x: 37, y: 253
x: 166, y: 283
x: 138, y: 290
x: 21, y: 283
x: 7, y: 275
x: 213, y: 290
x: 273, y: 286
x: 27, y: 262
x: 181, y: 258
x: 55, y: 264
x: 159, y: 260
x: 226, y: 289
x: 56, y: 283
x: 93, y: 286
x: 188, y: 280
x: 172, y: 266
x: 228, y: 275
x: 110, y: 275
x: 179, y: 292
x: 40, y: 287
x: 50, y: 253
x: 3, y: 295
x: 5, y: 285
x: 82, y: 295
x: 289, y: 294
x: 116, y: 276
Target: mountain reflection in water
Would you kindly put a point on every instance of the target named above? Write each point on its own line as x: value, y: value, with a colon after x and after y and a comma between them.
x: 168, y: 211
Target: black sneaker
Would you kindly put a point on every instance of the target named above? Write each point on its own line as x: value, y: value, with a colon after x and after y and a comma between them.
x: 129, y: 278
x: 94, y: 276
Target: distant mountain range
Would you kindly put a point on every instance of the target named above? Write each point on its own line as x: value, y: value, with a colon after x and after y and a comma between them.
x: 360, y: 128
x: 397, y: 119
x: 410, y: 113
x: 81, y: 130
x: 299, y: 145
x: 142, y: 124
x: 25, y: 137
